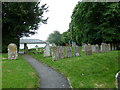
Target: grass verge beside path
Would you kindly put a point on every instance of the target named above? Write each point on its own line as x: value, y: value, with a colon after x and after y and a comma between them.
x: 18, y: 74
x: 92, y: 71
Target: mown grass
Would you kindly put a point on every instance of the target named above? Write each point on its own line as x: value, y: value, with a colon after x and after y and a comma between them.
x: 92, y: 71
x: 18, y: 74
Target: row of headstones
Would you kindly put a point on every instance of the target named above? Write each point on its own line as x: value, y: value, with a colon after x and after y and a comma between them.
x: 95, y: 48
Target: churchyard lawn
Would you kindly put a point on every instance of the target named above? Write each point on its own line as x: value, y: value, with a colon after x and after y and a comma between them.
x: 92, y: 71
x: 18, y: 74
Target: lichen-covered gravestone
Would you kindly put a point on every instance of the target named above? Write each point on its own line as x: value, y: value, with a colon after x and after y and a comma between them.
x: 77, y: 51
x: 88, y: 50
x: 55, y: 53
x: 12, y: 51
x: 68, y: 51
x: 47, y: 51
x: 61, y: 52
x: 97, y: 50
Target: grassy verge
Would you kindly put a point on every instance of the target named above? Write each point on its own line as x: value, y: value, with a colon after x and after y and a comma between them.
x: 18, y: 74
x: 92, y: 71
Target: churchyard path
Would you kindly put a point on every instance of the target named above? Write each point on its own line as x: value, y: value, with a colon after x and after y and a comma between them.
x: 49, y: 78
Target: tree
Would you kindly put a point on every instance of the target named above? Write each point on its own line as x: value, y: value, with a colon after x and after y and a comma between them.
x: 20, y: 19
x: 55, y: 37
x: 95, y: 23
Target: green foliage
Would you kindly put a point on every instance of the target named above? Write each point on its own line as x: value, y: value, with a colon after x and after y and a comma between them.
x: 65, y: 37
x: 18, y: 74
x: 96, y: 22
x: 55, y: 37
x: 20, y: 19
x: 93, y: 71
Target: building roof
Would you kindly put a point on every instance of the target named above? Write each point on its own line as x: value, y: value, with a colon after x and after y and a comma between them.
x: 32, y: 41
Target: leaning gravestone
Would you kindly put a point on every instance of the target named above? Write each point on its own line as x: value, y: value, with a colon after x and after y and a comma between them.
x: 88, y: 50
x: 47, y: 51
x: 68, y: 51
x: 61, y: 52
x: 55, y: 53
x: 97, y: 50
x: 93, y: 48
x: 12, y: 51
x: 77, y: 51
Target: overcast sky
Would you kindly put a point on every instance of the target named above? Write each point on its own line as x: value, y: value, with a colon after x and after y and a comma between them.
x: 59, y: 15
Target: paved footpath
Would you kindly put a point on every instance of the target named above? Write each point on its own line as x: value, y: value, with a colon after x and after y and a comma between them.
x: 49, y: 78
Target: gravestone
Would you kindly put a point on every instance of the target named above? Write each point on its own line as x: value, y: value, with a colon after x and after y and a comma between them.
x: 53, y: 45
x: 97, y: 50
x: 118, y: 80
x: 77, y: 51
x: 104, y: 47
x: 61, y: 52
x: 36, y: 47
x: 68, y: 51
x: 73, y: 44
x: 55, y: 53
x: 25, y: 48
x: 12, y: 51
x: 88, y: 49
x: 83, y: 47
x: 109, y: 47
x: 93, y: 48
x: 47, y: 51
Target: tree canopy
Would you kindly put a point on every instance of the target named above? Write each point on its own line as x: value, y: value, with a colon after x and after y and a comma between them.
x: 95, y: 22
x: 20, y: 19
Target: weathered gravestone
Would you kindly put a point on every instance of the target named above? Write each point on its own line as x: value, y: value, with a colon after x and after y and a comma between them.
x: 68, y: 51
x: 47, y: 51
x: 77, y: 51
x: 53, y: 45
x: 118, y: 80
x: 93, y: 48
x: 88, y: 50
x: 61, y: 52
x: 55, y: 53
x: 97, y: 50
x: 12, y: 51
x: 104, y: 47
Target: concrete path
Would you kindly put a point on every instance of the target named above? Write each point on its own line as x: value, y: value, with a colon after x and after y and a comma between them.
x: 49, y: 78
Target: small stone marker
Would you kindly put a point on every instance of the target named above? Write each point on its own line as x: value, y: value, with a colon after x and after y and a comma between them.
x: 88, y: 50
x: 68, y: 51
x: 36, y: 47
x: 47, y: 51
x: 61, y: 52
x: 55, y: 53
x: 97, y: 50
x: 118, y: 80
x: 12, y: 51
x: 77, y: 51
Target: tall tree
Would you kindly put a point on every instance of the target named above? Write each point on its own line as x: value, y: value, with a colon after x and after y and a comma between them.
x: 20, y: 19
x: 96, y: 22
x: 55, y: 37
